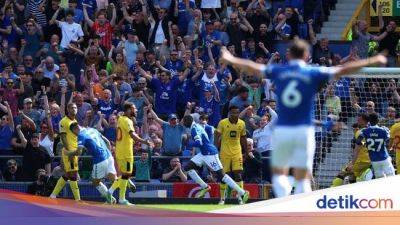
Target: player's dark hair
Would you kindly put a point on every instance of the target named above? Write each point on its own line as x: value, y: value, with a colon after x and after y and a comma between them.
x: 373, y: 119
x: 364, y: 116
x: 73, y: 126
x: 127, y: 106
x: 232, y: 107
x: 298, y: 48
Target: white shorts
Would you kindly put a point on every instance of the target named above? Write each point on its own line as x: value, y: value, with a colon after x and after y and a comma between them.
x: 103, y: 168
x: 293, y: 147
x: 212, y: 161
x: 383, y: 168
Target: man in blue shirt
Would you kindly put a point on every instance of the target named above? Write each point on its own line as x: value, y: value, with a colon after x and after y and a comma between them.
x: 98, y: 147
x: 377, y: 138
x: 296, y: 86
x: 208, y: 156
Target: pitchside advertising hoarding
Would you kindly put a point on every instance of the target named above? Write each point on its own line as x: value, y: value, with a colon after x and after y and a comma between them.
x: 374, y: 195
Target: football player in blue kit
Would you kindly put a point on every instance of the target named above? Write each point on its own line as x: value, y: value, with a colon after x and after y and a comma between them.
x: 376, y: 139
x: 296, y: 85
x: 208, y: 156
x: 98, y: 147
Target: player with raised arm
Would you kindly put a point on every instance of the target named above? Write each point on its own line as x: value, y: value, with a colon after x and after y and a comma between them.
x: 98, y: 147
x: 126, y: 138
x: 69, y: 154
x: 296, y: 86
x: 208, y: 156
x: 376, y: 138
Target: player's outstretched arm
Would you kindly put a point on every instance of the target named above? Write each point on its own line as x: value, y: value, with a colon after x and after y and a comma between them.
x: 354, y: 66
x: 244, y: 64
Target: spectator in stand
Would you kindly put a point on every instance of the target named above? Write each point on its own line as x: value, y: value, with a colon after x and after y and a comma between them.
x: 32, y: 33
x: 252, y: 164
x: 137, y: 20
x: 390, y: 118
x: 332, y: 102
x: 35, y: 156
x: 172, y: 134
x: 49, y: 67
x: 322, y: 55
x: 6, y: 130
x: 140, y: 101
x: 101, y: 27
x: 282, y: 29
x: 241, y: 100
x: 13, y: 172
x: 70, y: 30
x: 263, y: 140
x: 143, y: 167
x: 210, y: 104
x: 30, y: 112
x: 174, y: 172
x: 391, y: 40
x: 165, y: 87
x: 83, y: 107
x: 237, y: 29
x: 161, y: 17
x: 10, y: 94
x: 250, y: 118
x: 361, y: 37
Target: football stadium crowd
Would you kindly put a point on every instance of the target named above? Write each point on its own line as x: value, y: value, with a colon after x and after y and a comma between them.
x: 163, y: 56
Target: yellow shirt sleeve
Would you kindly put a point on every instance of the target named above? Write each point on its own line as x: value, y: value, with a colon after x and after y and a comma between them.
x: 220, y: 126
x: 63, y: 126
x: 243, y: 128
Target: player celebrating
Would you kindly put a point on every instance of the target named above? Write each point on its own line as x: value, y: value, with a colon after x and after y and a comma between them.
x: 69, y: 154
x: 208, y: 155
x: 296, y: 86
x: 376, y: 138
x: 230, y: 136
x: 126, y: 138
x: 103, y: 163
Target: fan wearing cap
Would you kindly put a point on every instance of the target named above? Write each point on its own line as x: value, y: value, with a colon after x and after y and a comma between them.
x: 101, y: 26
x: 35, y: 156
x: 28, y: 111
x: 131, y: 47
x: 172, y: 134
x: 210, y: 104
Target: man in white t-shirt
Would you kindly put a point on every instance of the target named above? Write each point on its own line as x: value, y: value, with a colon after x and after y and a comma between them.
x: 70, y: 30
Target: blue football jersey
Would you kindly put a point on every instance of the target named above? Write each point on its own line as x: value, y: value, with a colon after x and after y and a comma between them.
x: 202, y: 141
x: 91, y: 139
x: 296, y: 85
x: 376, y: 138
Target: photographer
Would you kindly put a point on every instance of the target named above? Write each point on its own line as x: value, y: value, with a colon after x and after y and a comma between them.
x: 43, y: 185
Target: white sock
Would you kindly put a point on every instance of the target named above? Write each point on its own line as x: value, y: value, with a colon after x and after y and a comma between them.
x: 102, y: 189
x: 302, y: 186
x: 232, y: 184
x: 281, y: 185
x: 192, y: 174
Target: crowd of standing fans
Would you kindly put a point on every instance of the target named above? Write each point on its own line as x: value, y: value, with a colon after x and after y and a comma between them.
x: 162, y: 56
